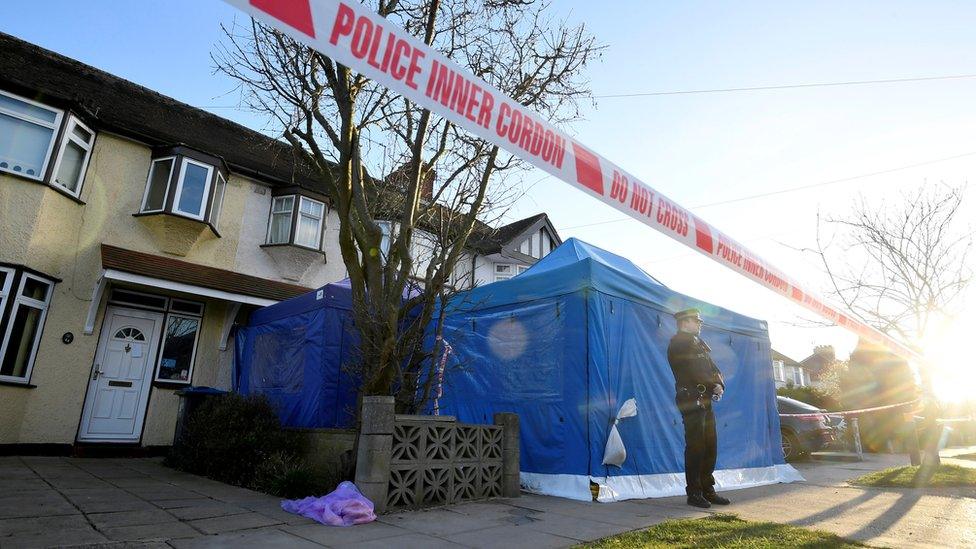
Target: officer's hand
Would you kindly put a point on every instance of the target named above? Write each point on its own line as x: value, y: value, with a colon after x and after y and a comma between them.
x: 718, y: 390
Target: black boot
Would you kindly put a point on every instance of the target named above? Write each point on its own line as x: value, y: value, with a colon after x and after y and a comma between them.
x: 696, y: 499
x: 715, y: 499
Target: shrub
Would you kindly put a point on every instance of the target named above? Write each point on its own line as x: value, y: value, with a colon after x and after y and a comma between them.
x: 810, y: 395
x: 239, y: 440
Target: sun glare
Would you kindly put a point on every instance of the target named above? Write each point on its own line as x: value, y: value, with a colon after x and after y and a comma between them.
x: 951, y: 362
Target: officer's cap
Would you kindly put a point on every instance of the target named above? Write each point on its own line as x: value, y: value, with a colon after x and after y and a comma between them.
x: 688, y: 313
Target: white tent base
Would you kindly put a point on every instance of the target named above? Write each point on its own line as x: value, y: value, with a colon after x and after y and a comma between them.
x: 619, y: 488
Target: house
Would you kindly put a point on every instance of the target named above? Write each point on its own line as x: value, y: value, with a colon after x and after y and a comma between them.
x: 788, y: 372
x: 819, y: 362
x: 509, y: 250
x: 135, y: 231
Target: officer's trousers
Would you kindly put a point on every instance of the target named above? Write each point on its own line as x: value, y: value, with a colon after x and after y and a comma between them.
x: 701, y: 445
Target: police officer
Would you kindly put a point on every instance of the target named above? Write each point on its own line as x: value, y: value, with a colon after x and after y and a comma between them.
x: 697, y: 382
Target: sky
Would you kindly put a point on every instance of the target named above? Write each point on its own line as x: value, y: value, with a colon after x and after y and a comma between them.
x: 698, y: 149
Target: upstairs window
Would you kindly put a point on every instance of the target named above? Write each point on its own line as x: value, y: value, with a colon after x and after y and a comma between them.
x: 30, y: 145
x: 73, y: 156
x: 297, y: 220
x: 279, y: 230
x: 157, y: 188
x: 311, y: 213
x: 193, y: 188
x: 27, y: 132
x: 185, y: 183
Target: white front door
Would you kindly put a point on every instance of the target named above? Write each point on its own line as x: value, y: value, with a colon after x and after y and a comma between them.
x: 119, y: 386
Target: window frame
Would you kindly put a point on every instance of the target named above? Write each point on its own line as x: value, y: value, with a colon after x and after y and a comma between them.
x: 55, y: 132
x: 291, y: 219
x: 498, y: 277
x: 18, y: 301
x: 193, y: 353
x: 202, y: 216
x: 297, y: 217
x: 386, y: 240
x: 66, y: 136
x: 152, y: 169
x: 215, y: 204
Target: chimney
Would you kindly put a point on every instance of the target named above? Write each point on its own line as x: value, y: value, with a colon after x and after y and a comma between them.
x: 825, y: 351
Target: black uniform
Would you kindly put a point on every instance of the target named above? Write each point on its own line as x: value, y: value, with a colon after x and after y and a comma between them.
x: 696, y: 377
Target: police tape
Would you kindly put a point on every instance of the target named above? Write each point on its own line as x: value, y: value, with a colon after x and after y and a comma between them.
x: 351, y: 34
x: 949, y: 419
x: 852, y: 412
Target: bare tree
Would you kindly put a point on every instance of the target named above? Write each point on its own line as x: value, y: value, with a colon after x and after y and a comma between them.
x: 408, y: 186
x: 900, y: 265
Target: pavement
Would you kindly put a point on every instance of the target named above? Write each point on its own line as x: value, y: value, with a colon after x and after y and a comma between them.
x: 54, y: 501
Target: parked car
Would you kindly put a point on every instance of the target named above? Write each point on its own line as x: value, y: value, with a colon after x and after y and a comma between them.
x: 802, y: 435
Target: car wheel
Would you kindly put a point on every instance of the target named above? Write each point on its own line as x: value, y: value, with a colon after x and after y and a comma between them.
x: 791, y: 446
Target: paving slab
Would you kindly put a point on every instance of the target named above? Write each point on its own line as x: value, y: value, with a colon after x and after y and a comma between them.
x: 76, y: 482
x: 104, y: 500
x: 512, y: 536
x: 438, y: 522
x: 35, y: 503
x: 574, y: 528
x: 130, y: 518
x: 334, y: 536
x: 34, y: 525
x: 411, y: 541
x: 54, y: 538
x: 229, y: 523
x: 261, y: 538
x: 8, y: 485
x: 272, y: 509
x: 163, y: 531
x: 197, y: 501
x: 160, y: 493
x: 212, y: 509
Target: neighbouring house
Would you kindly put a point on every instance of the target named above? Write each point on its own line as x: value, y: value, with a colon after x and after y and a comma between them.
x: 509, y: 250
x: 135, y: 232
x: 805, y: 373
x: 818, y: 363
x: 787, y: 371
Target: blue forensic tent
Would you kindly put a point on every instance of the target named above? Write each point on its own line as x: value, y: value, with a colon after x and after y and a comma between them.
x: 567, y: 342
x: 292, y: 353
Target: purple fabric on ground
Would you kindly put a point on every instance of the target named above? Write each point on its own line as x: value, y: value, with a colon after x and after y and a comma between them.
x: 345, y: 506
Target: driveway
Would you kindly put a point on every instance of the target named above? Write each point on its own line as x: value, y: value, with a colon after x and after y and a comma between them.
x: 51, y: 501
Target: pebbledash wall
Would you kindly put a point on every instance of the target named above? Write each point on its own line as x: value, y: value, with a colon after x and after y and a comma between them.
x: 44, y: 230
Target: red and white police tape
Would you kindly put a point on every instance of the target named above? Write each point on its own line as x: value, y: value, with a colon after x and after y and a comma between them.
x: 851, y: 412
x: 358, y: 38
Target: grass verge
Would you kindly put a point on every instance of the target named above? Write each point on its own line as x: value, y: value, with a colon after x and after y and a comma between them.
x: 723, y: 531
x: 970, y: 457
x: 909, y: 477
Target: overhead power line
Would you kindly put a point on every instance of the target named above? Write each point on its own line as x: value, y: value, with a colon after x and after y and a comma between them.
x: 791, y: 86
x: 793, y: 189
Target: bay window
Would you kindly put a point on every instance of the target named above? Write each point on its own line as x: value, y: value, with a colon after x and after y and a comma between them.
x: 185, y: 183
x: 297, y: 220
x: 24, y: 301
x: 43, y: 143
